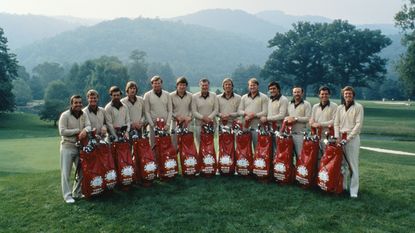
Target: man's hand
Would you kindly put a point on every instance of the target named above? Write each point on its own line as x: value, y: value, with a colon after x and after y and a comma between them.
x: 82, y: 134
x: 136, y: 125
x: 290, y: 119
x: 103, y: 130
x: 126, y: 136
x: 315, y: 125
x: 206, y: 119
x: 263, y: 119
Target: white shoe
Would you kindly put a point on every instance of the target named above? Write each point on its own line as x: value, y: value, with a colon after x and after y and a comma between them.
x: 70, y: 200
x: 353, y: 195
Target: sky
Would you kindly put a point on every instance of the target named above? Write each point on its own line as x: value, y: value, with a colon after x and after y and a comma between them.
x: 356, y: 11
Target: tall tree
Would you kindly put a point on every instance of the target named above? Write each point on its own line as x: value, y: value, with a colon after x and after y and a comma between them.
x: 43, y: 74
x: 405, y: 19
x: 8, y: 72
x: 165, y: 72
x: 137, y: 69
x: 56, y: 99
x: 241, y: 75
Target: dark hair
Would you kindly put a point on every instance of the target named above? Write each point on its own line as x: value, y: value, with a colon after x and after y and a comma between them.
x: 129, y: 85
x: 204, y: 80
x: 324, y: 88
x: 182, y: 79
x: 156, y: 78
x: 273, y: 83
x: 348, y: 88
x: 253, y: 80
x: 302, y: 90
x: 114, y: 89
x: 75, y: 97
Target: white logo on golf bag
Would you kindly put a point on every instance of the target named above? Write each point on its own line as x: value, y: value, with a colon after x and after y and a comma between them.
x: 242, y: 162
x: 170, y: 164
x: 260, y: 163
x: 110, y: 175
x: 302, y: 170
x: 226, y: 160
x: 323, y: 176
x: 190, y: 162
x: 208, y: 160
x: 150, y: 167
x: 96, y: 182
x: 280, y: 167
x: 127, y: 171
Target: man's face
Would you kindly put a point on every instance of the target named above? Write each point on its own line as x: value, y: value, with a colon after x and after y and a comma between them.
x: 273, y: 91
x: 93, y: 100
x: 132, y: 91
x: 253, y: 87
x: 348, y: 96
x: 76, y: 104
x: 204, y: 87
x: 297, y: 93
x: 116, y: 96
x: 181, y: 87
x: 156, y: 85
x: 227, y: 87
x: 324, y: 96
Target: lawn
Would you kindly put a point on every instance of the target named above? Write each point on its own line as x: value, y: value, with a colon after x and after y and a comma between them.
x: 32, y: 202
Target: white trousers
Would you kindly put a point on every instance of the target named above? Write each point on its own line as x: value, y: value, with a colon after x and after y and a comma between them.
x: 351, y: 151
x: 298, y: 144
x: 70, y: 157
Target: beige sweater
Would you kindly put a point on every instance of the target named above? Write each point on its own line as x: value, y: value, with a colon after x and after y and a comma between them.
x: 302, y: 112
x: 277, y: 109
x: 97, y: 120
x: 258, y: 105
x: 158, y: 107
x: 70, y: 126
x: 181, y: 106
x: 135, y: 110
x: 116, y: 117
x: 324, y: 116
x: 229, y: 106
x: 204, y: 107
x: 350, y: 121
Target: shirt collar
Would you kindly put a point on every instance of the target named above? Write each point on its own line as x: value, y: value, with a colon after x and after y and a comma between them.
x: 116, y: 105
x: 323, y: 106
x: 158, y: 94
x: 224, y: 96
x: 205, y: 97
x: 181, y: 97
x: 134, y: 100
x: 296, y: 105
x: 76, y: 114
x: 253, y: 97
x: 90, y: 109
x: 347, y: 107
x: 277, y: 97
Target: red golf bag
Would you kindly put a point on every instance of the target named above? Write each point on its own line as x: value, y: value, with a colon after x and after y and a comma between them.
x: 166, y: 154
x: 243, y: 152
x: 144, y: 157
x: 330, y: 178
x: 283, y: 159
x: 108, y: 165
x: 187, y: 151
x: 124, y: 163
x: 226, y: 164
x: 207, y: 152
x: 263, y: 151
x: 306, y: 166
x: 92, y: 181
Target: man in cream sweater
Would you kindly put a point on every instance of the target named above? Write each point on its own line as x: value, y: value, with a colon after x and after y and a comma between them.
x: 96, y: 114
x: 116, y: 113
x: 73, y: 125
x: 349, y: 119
x: 135, y: 105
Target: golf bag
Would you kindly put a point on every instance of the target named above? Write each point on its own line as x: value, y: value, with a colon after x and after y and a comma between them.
x: 306, y: 166
x: 263, y: 151
x: 330, y: 178
x: 226, y: 164
x: 243, y: 152
x: 144, y: 157
x: 108, y: 165
x: 165, y: 153
x: 93, y: 180
x: 124, y: 163
x: 187, y: 151
x: 207, y: 152
x: 283, y: 159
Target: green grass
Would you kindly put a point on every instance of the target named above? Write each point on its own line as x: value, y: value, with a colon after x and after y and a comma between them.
x: 23, y: 125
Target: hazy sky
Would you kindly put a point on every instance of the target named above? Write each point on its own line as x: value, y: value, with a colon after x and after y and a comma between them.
x: 356, y: 11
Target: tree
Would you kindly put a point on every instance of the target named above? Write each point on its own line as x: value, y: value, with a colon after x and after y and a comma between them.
x: 405, y: 19
x: 241, y: 75
x: 165, y: 72
x: 43, y: 74
x: 21, y: 91
x: 137, y: 69
x: 8, y: 72
x: 56, y: 99
x: 335, y: 54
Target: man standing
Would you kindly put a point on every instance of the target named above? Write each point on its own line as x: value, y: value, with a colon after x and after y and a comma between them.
x: 349, y: 119
x: 182, y: 106
x: 253, y: 106
x: 73, y: 125
x: 277, y: 106
x: 228, y: 103
x: 96, y: 114
x: 116, y: 113
x: 322, y: 114
x: 157, y: 104
x: 299, y: 112
x: 135, y: 105
x: 204, y: 107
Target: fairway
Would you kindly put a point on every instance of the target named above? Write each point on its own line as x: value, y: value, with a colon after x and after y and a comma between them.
x: 32, y: 202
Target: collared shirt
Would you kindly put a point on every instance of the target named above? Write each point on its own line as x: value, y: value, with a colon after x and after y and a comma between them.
x: 205, y: 95
x: 135, y: 109
x: 259, y: 106
x: 229, y: 105
x: 75, y: 114
x: 182, y: 105
x: 156, y: 106
x: 324, y: 114
x: 96, y: 118
x: 116, y: 117
x: 70, y: 126
x: 348, y: 121
x: 277, y: 109
x: 204, y: 106
x: 253, y: 97
x: 275, y: 97
x: 301, y: 111
x: 223, y: 95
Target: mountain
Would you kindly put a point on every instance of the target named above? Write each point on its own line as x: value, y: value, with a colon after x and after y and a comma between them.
x: 286, y: 21
x: 191, y: 50
x: 236, y: 21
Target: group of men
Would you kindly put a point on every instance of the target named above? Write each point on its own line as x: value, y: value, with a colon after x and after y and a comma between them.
x: 205, y: 107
